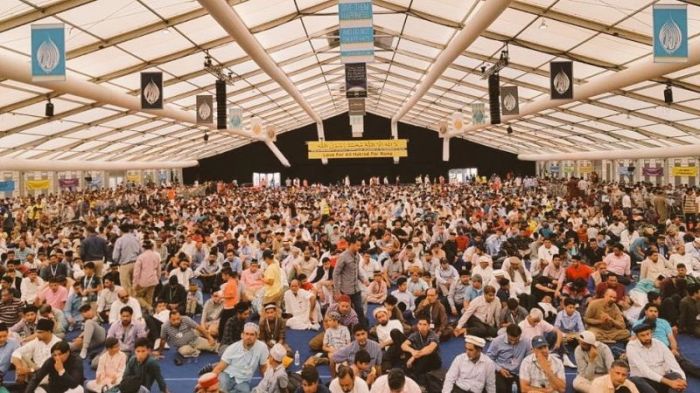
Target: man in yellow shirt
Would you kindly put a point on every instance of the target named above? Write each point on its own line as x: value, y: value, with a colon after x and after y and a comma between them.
x: 272, y: 279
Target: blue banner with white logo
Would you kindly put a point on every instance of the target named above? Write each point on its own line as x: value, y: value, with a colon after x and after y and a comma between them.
x: 7, y: 186
x: 356, y: 31
x: 48, y: 52
x: 670, y: 33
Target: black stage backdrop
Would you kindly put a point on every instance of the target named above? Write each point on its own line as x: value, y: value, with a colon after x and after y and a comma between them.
x: 424, y: 156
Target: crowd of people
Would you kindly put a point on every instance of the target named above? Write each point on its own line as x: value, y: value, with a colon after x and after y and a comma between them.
x: 534, y: 276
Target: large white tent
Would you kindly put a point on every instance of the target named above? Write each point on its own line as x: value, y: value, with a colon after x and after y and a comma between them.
x: 109, y: 42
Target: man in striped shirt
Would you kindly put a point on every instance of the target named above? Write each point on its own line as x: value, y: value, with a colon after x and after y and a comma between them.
x: 10, y: 308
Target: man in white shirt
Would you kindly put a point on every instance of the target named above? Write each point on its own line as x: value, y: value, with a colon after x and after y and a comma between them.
x: 107, y: 296
x: 471, y: 371
x: 547, y: 251
x: 30, y: 287
x: 301, y: 304
x: 123, y: 300
x: 347, y: 382
x: 395, y: 382
x: 653, y: 367
x: 481, y: 316
x: 32, y: 355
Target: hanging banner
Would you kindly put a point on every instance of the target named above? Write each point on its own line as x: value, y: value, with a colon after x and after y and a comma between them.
x: 509, y: 101
x: 7, y: 186
x: 37, y: 184
x: 68, y: 183
x: 670, y: 33
x: 377, y: 148
x: 133, y: 178
x: 96, y: 182
x: 568, y: 169
x: 356, y: 31
x: 205, y: 109
x: 561, y: 80
x: 457, y: 122
x: 624, y: 170
x: 554, y: 168
x: 684, y: 171
x: 478, y: 113
x: 585, y: 169
x: 356, y: 106
x: 356, y: 80
x: 255, y: 125
x: 151, y: 90
x: 649, y: 171
x: 48, y: 52
x: 235, y: 118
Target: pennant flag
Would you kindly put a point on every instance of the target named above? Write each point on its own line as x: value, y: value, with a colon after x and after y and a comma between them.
x: 205, y: 109
x: 356, y: 31
x: 7, y: 186
x: 235, y: 118
x: 356, y: 80
x: 151, y: 90
x: 561, y: 80
x: 670, y: 33
x: 457, y: 121
x: 48, y: 52
x: 255, y: 125
x: 68, y: 183
x: 509, y: 100
x: 479, y: 113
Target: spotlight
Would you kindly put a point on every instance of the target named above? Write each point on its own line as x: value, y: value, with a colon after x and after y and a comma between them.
x: 207, y: 61
x: 543, y: 25
x: 49, y: 109
x: 509, y: 130
x: 668, y: 94
x: 206, y: 137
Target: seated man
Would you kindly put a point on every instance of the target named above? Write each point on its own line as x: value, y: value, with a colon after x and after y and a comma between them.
x: 211, y: 313
x: 348, y: 382
x: 127, y: 331
x: 347, y: 353
x: 361, y: 366
x: 110, y: 367
x: 240, y: 360
x: 378, y: 290
x: 395, y: 381
x: 540, y: 371
x: 10, y: 307
x: 26, y: 327
x: 7, y: 347
x: 616, y: 380
x: 63, y: 369
x: 604, y: 318
x: 423, y: 345
x: 653, y: 367
x: 593, y: 359
x: 29, y: 357
x: 481, y: 316
x: 181, y: 333
x: 471, y: 371
x: 385, y: 326
x: 143, y: 367
x: 93, y: 335
x: 688, y: 321
x: 311, y: 382
x: 272, y: 327
x: 106, y: 297
x: 508, y: 351
x: 123, y: 300
x: 55, y: 294
x: 301, y: 305
x: 436, y: 314
x: 233, y: 329
x: 534, y: 325
x: 457, y: 297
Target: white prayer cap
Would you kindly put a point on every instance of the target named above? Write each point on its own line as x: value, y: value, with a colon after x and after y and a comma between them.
x: 478, y: 341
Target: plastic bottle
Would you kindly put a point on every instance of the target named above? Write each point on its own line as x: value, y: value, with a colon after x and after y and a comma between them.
x: 515, y: 387
x: 297, y: 360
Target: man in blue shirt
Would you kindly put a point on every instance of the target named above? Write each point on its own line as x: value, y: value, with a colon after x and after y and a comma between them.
x: 508, y: 351
x: 240, y: 360
x: 7, y: 346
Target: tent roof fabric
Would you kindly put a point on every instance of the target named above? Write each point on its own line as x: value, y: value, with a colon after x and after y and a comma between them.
x: 111, y: 41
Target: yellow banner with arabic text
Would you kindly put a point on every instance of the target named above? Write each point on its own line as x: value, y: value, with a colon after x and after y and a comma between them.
x: 37, y: 184
x: 585, y: 168
x: 133, y: 178
x: 371, y: 148
x: 684, y: 171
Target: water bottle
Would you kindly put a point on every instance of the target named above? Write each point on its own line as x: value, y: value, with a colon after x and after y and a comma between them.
x: 515, y: 387
x: 296, y: 358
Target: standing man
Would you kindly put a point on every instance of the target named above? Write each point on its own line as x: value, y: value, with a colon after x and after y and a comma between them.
x: 147, y: 272
x: 94, y: 249
x: 470, y: 371
x: 126, y: 249
x: 346, y: 277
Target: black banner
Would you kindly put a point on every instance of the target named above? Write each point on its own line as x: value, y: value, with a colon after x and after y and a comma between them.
x: 151, y: 90
x: 509, y: 100
x: 561, y: 80
x: 356, y: 80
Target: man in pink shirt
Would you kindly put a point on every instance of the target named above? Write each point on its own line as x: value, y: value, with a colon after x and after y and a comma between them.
x: 251, y: 279
x: 619, y: 263
x: 147, y: 271
x: 55, y: 294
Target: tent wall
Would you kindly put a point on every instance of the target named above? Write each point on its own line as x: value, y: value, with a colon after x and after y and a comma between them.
x: 424, y: 156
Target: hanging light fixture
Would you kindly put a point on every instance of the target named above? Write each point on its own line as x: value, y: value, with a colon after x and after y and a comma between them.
x: 668, y: 94
x: 49, y: 109
x: 206, y: 137
x: 543, y: 24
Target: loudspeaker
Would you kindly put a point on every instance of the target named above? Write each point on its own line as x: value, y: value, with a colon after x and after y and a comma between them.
x: 49, y: 109
x: 220, y: 105
x: 668, y: 95
x: 494, y: 99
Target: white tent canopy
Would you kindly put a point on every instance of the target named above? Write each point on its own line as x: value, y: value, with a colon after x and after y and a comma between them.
x: 111, y: 41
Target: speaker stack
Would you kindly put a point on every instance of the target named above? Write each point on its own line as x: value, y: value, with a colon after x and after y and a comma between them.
x: 494, y: 99
x: 220, y: 105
